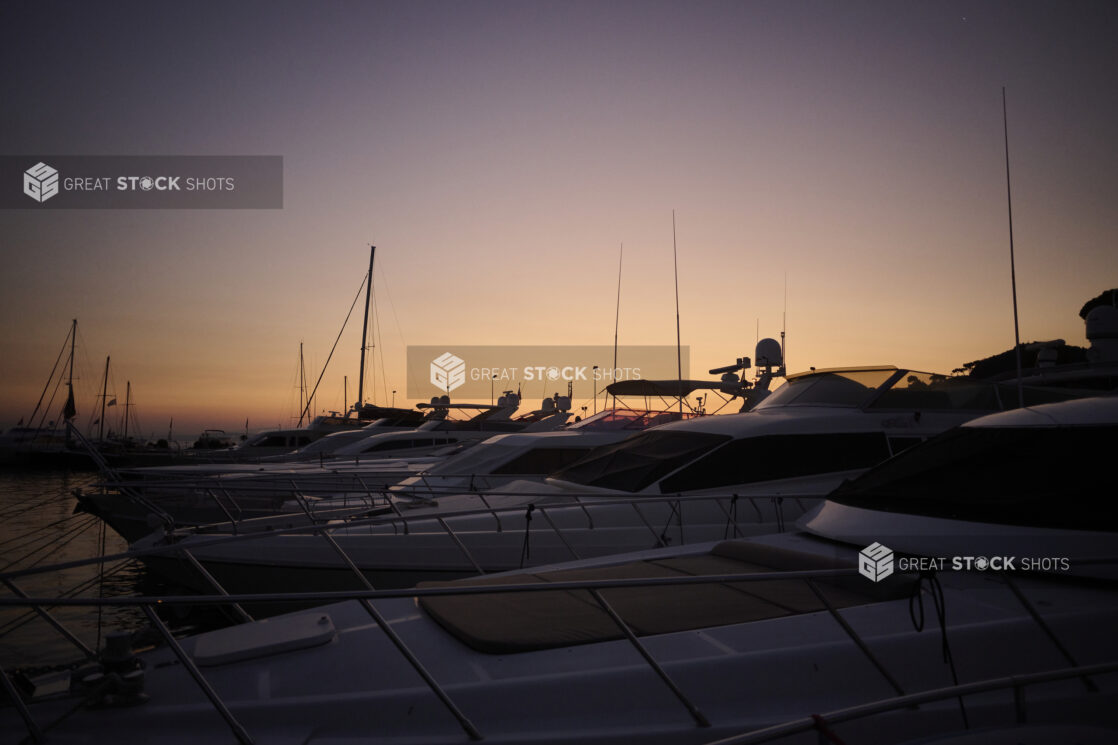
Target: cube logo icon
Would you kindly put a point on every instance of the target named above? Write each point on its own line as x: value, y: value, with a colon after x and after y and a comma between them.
x: 875, y: 562
x: 448, y: 372
x: 40, y: 182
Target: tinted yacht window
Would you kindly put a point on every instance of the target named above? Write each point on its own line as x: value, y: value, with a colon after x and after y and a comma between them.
x: 403, y: 444
x: 1046, y: 477
x: 636, y: 462
x: 754, y: 459
x: 542, y: 460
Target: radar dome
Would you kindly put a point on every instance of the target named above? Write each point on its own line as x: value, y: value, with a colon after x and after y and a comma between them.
x: 768, y: 353
x: 1102, y: 333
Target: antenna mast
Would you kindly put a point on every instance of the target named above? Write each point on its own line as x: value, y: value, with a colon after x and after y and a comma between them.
x: 784, y: 326
x: 1012, y: 264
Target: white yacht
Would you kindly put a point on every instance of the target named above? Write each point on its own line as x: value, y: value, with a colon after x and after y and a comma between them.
x: 797, y: 637
x: 531, y: 454
x: 682, y: 482
x: 381, y: 454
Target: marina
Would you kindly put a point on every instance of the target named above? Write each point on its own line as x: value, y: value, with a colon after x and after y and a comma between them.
x: 681, y: 372
x: 699, y: 614
x: 436, y: 577
x: 466, y: 571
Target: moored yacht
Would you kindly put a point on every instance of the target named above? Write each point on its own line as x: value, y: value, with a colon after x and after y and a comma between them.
x: 518, y: 456
x: 381, y: 454
x: 682, y: 482
x: 785, y: 638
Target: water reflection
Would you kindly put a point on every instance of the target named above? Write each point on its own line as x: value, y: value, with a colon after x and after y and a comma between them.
x: 38, y: 528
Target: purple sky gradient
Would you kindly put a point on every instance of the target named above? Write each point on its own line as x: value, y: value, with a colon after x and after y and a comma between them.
x: 498, y: 153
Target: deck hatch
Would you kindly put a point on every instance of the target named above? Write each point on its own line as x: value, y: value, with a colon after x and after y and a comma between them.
x: 264, y: 638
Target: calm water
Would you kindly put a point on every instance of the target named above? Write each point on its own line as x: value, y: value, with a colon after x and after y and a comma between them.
x: 37, y: 529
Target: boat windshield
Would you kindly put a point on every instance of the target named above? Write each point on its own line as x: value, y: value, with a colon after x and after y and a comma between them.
x: 932, y: 391
x: 638, y: 461
x: 890, y: 388
x: 627, y: 419
x: 829, y: 388
x: 1014, y: 476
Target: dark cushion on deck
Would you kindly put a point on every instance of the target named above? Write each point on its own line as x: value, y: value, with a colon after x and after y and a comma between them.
x: 503, y: 623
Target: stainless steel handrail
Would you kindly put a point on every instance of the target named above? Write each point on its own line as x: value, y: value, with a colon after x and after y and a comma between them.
x: 881, y: 706
x: 147, y: 604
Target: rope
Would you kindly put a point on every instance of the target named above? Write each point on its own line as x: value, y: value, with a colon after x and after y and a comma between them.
x: 61, y: 352
x: 392, y: 307
x: 732, y: 518
x: 17, y: 542
x: 24, y: 508
x: 667, y: 523
x: 330, y: 356
x: 50, y: 542
x: 527, y: 532
x: 22, y: 620
x: 916, y: 600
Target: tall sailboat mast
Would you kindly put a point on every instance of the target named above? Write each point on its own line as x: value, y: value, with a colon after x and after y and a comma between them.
x: 616, y: 323
x: 1012, y: 263
x: 365, y: 330
x: 69, y: 410
x: 73, y: 341
x: 678, y: 347
x: 127, y: 403
x: 302, y: 386
x: 104, y: 395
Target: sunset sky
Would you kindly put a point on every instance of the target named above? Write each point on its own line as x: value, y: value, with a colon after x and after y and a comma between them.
x: 499, y: 153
